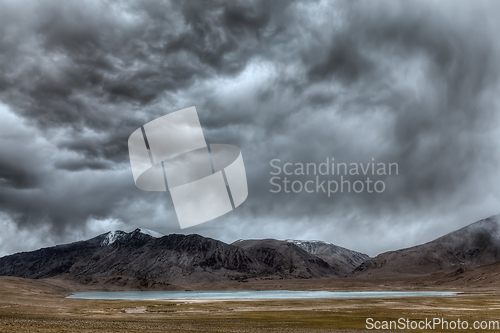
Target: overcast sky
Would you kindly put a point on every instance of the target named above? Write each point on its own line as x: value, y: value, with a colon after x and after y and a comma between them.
x: 409, y: 82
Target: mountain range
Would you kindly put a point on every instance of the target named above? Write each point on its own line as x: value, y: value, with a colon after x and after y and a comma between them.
x: 155, y: 259
x: 143, y: 254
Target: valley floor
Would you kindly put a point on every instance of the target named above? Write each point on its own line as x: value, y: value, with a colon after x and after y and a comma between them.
x: 41, y: 306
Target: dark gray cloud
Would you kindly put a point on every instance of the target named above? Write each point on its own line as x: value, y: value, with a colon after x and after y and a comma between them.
x: 407, y: 82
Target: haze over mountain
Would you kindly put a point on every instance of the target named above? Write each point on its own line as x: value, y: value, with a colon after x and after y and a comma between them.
x: 474, y: 245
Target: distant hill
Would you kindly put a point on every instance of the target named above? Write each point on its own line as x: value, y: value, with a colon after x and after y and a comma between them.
x: 474, y: 245
x: 303, y: 259
x: 342, y: 259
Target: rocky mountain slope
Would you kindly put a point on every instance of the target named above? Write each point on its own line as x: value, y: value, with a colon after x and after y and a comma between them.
x: 304, y: 258
x: 285, y: 258
x: 472, y: 246
x: 147, y: 255
x: 342, y: 259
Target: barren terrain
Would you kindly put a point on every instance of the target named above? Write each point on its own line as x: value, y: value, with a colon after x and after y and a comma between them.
x: 40, y: 306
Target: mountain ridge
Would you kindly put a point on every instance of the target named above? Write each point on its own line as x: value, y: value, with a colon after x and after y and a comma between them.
x: 474, y: 245
x: 171, y: 258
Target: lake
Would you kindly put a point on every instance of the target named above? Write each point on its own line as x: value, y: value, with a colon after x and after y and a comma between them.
x: 251, y: 294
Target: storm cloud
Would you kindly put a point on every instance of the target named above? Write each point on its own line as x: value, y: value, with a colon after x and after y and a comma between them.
x: 409, y: 82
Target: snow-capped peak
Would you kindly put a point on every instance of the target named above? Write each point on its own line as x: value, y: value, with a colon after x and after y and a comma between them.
x: 113, y: 236
x: 152, y: 233
x: 317, y: 247
x: 299, y: 242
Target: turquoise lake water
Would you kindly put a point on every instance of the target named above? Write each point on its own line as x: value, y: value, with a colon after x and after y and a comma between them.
x: 251, y: 294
